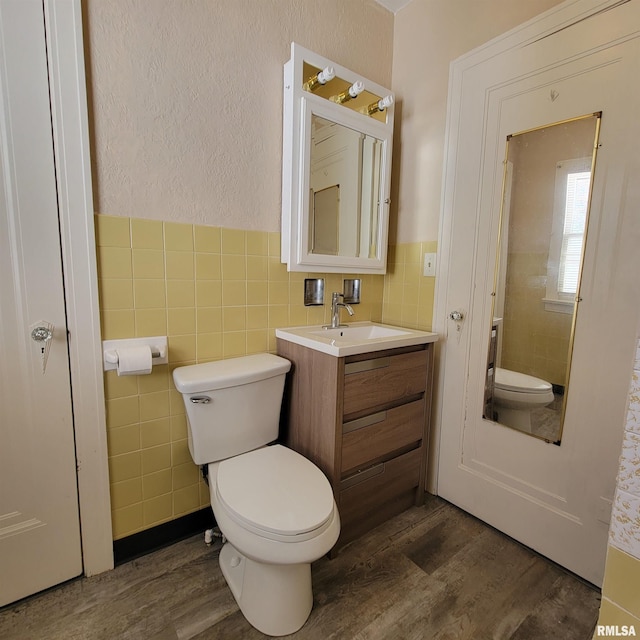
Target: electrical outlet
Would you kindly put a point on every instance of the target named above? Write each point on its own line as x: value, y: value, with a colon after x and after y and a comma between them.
x: 429, y: 264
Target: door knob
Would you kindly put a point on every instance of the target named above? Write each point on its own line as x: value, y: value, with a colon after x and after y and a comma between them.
x: 456, y: 316
x: 41, y: 334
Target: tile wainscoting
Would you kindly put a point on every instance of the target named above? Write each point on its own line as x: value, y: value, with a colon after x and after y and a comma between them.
x: 216, y: 293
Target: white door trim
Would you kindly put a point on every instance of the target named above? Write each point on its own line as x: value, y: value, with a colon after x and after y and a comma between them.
x: 549, y: 22
x: 63, y: 25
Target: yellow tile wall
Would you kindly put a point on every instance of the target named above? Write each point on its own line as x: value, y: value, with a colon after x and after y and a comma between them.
x: 216, y: 293
x: 408, y: 295
x: 534, y: 340
x: 621, y: 589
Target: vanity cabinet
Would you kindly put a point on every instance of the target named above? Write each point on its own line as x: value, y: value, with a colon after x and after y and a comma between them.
x: 363, y: 419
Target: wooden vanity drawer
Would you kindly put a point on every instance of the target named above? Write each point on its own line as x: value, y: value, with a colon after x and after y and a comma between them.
x: 374, y: 436
x: 383, y: 379
x: 385, y: 490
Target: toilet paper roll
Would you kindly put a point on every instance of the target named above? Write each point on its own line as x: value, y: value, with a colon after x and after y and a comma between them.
x: 134, y: 361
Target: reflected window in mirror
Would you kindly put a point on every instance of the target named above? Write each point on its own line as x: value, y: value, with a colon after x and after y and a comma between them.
x: 571, y: 201
x: 543, y: 229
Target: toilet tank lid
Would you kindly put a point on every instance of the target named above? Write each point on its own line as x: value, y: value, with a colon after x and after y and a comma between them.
x: 232, y: 372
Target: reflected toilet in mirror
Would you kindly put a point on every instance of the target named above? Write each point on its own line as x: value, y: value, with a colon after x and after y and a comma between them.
x: 516, y: 395
x: 543, y: 230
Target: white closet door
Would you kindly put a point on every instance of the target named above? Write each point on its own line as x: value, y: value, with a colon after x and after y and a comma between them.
x: 39, y: 520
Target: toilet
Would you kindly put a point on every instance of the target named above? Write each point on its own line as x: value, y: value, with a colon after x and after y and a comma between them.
x: 516, y: 394
x: 274, y: 507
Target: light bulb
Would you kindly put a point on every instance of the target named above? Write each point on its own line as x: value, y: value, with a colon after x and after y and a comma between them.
x: 328, y: 73
x: 353, y: 91
x: 381, y: 105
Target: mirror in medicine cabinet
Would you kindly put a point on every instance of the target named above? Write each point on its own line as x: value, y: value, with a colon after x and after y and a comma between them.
x: 338, y: 131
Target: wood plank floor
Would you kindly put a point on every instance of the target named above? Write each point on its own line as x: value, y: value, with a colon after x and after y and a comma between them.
x: 432, y: 573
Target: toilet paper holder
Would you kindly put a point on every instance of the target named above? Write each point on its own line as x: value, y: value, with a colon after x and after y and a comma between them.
x: 157, y: 344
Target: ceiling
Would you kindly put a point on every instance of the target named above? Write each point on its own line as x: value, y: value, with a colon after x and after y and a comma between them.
x: 393, y: 5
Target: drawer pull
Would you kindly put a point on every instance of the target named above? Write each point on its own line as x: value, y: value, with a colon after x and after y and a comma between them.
x: 367, y: 421
x: 361, y: 476
x: 367, y: 365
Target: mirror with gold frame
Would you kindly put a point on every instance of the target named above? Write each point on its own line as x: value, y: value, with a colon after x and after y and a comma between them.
x: 544, y: 221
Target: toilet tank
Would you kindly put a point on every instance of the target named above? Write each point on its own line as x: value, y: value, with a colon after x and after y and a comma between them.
x: 232, y: 406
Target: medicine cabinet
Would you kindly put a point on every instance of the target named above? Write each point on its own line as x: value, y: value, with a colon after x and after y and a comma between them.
x: 337, y: 138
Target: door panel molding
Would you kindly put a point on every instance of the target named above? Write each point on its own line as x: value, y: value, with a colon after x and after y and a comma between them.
x: 63, y: 25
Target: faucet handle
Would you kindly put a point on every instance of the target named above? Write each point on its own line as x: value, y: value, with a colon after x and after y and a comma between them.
x: 352, y: 290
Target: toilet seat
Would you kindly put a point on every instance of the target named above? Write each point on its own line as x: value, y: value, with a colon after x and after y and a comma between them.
x: 275, y: 493
x: 515, y: 381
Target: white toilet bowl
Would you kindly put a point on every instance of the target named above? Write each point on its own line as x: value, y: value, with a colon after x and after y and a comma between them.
x: 516, y: 394
x: 274, y: 507
x: 277, y: 511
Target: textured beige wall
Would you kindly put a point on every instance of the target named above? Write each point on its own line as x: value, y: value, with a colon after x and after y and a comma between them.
x: 186, y: 99
x: 428, y: 36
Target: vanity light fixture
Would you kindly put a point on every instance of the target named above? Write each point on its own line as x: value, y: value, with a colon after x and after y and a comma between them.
x: 381, y: 105
x: 322, y: 77
x: 352, y: 92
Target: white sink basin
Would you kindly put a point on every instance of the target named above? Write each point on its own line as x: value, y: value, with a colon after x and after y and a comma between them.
x: 359, y: 337
x: 359, y: 332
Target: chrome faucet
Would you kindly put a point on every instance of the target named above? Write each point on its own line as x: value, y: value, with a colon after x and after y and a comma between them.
x: 335, y: 311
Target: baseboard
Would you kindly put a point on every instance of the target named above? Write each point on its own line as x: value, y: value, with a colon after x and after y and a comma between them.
x: 139, y: 544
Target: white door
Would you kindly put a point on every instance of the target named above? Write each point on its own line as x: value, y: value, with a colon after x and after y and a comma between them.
x: 39, y: 520
x: 555, y: 499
